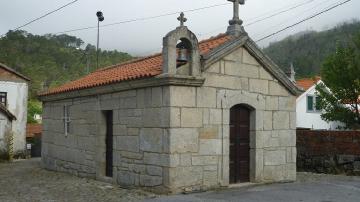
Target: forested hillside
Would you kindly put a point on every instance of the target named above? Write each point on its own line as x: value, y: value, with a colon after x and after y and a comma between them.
x: 52, y: 60
x: 307, y: 50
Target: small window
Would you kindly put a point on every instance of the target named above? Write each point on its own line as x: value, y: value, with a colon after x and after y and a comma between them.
x: 310, y: 103
x: 3, y: 98
x: 313, y: 103
x: 67, y: 120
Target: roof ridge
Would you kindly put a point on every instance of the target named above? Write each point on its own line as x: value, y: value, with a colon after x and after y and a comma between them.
x: 133, y: 69
x: 153, y: 55
x: 213, y: 38
x: 128, y: 62
x: 310, y: 78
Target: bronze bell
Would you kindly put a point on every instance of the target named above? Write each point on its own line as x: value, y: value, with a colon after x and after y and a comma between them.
x: 183, y: 55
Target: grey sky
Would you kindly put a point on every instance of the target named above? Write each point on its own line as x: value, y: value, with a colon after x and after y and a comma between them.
x: 145, y: 37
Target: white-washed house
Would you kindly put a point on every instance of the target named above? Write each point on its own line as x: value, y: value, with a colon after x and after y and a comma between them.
x: 13, y: 109
x: 308, y: 113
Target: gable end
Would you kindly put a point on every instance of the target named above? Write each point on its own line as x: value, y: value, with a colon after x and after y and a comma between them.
x: 246, y: 42
x: 269, y: 65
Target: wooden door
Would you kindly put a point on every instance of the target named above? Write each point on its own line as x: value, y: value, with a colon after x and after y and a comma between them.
x: 239, y: 144
x: 109, y: 143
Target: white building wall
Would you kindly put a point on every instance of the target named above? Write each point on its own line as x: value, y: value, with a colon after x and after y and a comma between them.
x: 17, y: 95
x: 5, y: 126
x: 305, y: 119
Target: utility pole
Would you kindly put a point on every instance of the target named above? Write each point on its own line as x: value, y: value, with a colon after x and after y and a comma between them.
x: 101, y: 18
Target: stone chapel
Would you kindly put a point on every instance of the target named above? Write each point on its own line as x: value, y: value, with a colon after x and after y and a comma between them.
x: 197, y: 116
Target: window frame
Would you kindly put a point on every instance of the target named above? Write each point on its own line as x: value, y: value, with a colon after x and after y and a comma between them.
x: 3, y: 95
x: 314, y: 104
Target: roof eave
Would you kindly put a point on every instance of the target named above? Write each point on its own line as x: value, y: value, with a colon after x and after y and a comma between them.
x: 14, y: 72
x: 7, y: 113
x: 155, y: 81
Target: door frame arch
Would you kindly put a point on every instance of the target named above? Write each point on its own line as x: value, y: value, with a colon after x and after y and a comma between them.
x: 241, y: 143
x: 256, y: 102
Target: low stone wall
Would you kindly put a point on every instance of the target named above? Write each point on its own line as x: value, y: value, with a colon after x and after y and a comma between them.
x: 334, y: 152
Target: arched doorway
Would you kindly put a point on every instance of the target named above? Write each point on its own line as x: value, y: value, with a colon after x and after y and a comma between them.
x: 239, y: 144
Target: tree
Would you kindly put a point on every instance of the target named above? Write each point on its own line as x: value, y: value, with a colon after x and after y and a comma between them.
x: 34, y: 107
x: 340, y: 91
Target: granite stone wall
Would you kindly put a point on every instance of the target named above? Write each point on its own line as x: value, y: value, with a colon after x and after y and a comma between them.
x: 199, y: 136
x: 141, y: 123
x: 333, y: 152
x: 176, y: 138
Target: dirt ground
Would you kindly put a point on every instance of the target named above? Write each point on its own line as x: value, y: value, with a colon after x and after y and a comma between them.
x: 24, y: 180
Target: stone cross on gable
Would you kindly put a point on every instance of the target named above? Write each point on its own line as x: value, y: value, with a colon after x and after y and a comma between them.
x: 236, y: 19
x: 182, y: 19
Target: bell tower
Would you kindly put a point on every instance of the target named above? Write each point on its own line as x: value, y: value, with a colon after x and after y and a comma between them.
x: 181, y: 46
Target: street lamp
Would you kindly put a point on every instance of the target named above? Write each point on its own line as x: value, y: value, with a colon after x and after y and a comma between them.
x: 101, y: 18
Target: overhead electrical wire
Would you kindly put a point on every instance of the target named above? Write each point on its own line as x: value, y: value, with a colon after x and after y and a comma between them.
x: 304, y: 20
x: 273, y: 11
x: 278, y: 13
x: 193, y: 10
x: 177, y: 12
x: 270, y: 15
x: 331, y: 7
x: 143, y: 19
x: 298, y: 16
x: 43, y: 16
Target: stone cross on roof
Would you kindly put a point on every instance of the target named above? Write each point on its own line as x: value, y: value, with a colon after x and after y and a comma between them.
x: 235, y: 27
x: 182, y: 19
x: 236, y: 19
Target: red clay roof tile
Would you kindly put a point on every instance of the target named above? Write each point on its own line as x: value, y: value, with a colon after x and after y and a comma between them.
x: 306, y: 83
x: 33, y: 129
x: 141, y: 68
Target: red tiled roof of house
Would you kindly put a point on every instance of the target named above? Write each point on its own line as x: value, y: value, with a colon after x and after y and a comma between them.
x: 307, y: 82
x: 140, y: 68
x: 33, y: 129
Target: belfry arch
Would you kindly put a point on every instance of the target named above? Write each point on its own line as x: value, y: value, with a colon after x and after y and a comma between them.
x: 170, y: 44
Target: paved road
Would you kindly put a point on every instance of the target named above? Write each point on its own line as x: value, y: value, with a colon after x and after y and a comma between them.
x: 309, y: 187
x: 25, y: 181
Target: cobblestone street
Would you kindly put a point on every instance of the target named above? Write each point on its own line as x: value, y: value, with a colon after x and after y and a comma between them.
x: 24, y: 180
